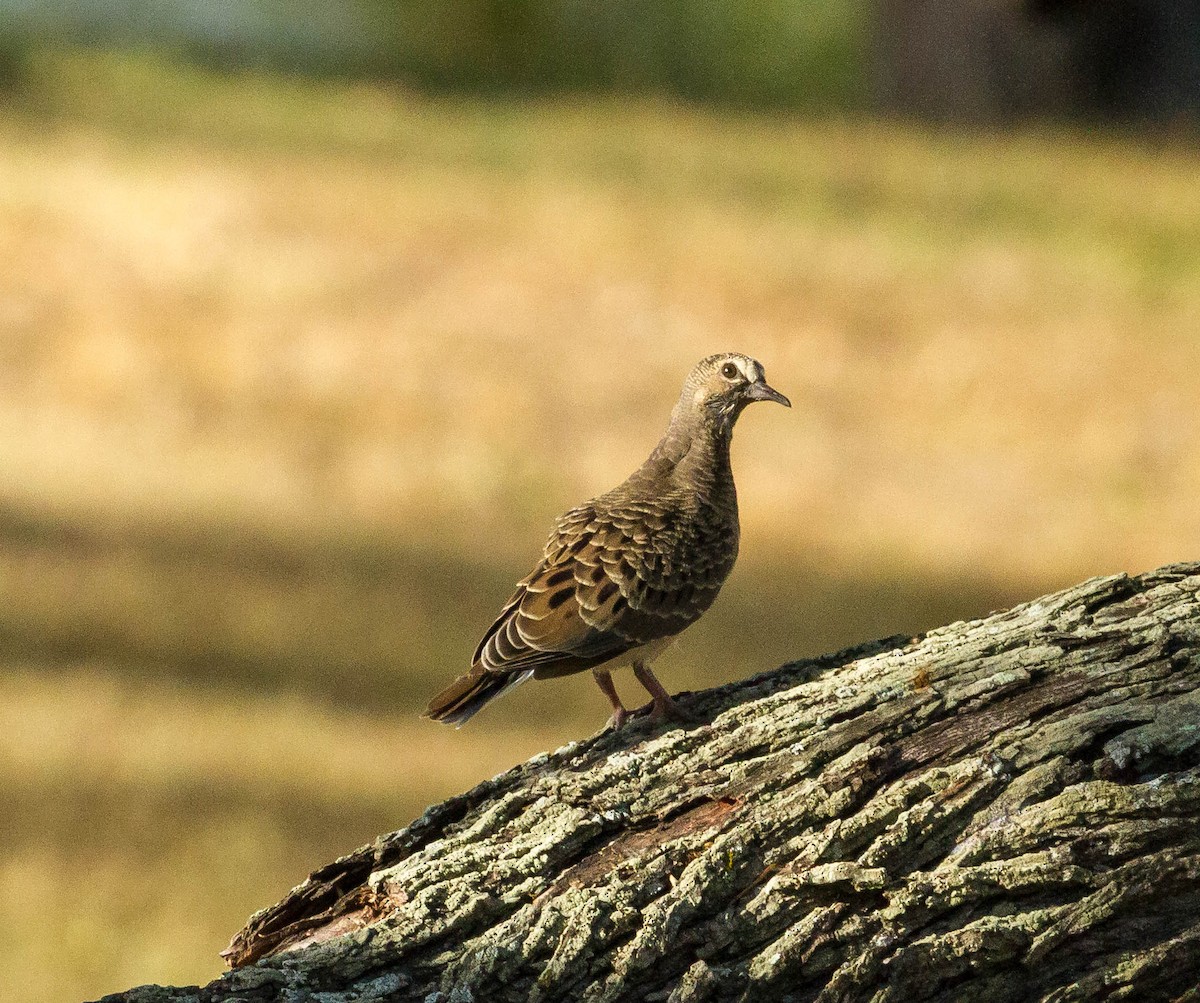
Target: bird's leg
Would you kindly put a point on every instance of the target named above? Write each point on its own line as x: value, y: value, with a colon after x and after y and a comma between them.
x: 664, y: 706
x: 605, y: 681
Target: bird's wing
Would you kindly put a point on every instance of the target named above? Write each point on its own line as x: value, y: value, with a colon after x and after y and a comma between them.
x: 598, y: 592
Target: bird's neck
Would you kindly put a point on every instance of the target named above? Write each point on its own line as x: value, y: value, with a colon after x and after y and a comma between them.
x: 694, y: 453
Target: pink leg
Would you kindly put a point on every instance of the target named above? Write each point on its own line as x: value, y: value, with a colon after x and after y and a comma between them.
x: 604, y: 680
x: 664, y: 706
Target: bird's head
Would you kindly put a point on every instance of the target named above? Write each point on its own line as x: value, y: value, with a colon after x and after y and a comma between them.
x: 719, y: 387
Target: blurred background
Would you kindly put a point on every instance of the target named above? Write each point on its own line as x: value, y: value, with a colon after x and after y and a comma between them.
x: 312, y: 318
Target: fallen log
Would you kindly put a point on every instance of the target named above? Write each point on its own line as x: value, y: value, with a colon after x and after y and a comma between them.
x: 1000, y: 810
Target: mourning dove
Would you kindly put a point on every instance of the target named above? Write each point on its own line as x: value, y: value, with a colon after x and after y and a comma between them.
x: 623, y: 574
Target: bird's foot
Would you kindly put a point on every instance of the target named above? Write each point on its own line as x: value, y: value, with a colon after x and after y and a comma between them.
x: 666, y: 709
x: 619, y: 717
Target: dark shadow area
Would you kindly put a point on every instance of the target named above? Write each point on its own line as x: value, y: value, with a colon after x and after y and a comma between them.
x: 1126, y: 62
x: 146, y: 821
x: 380, y: 624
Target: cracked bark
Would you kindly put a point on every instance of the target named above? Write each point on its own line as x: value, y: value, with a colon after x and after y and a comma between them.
x: 999, y: 810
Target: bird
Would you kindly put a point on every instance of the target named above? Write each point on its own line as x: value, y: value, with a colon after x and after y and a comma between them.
x: 624, y: 573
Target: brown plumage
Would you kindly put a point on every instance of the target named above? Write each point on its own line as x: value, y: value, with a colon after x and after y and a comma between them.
x: 624, y: 573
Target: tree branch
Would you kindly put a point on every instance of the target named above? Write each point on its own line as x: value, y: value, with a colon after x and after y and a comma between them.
x: 1000, y: 810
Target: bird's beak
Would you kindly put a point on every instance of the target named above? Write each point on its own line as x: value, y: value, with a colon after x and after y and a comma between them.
x: 761, y: 391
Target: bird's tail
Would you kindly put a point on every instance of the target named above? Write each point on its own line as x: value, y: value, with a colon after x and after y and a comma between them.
x: 469, y: 694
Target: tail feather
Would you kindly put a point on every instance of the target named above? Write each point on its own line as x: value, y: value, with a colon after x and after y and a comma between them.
x: 469, y: 694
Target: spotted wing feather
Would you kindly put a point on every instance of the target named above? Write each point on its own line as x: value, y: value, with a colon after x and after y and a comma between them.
x: 608, y: 582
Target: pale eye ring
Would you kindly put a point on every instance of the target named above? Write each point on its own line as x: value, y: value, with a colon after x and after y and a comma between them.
x: 730, y: 371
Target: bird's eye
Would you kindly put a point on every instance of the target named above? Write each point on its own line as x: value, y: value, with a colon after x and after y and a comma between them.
x: 730, y: 371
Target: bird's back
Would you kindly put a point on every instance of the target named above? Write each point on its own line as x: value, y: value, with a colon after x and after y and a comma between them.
x: 673, y: 537
x: 629, y: 567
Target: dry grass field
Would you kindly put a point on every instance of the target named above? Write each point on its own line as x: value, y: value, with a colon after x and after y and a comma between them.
x: 294, y: 377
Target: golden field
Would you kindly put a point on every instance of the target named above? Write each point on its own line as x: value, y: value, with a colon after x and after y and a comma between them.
x: 294, y: 378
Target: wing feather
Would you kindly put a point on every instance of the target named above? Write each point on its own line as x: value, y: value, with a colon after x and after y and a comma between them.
x: 608, y: 582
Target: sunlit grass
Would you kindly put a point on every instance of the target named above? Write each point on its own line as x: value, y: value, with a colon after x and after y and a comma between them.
x: 293, y: 379
x: 470, y: 316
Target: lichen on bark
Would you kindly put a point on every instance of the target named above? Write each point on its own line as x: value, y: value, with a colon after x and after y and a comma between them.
x: 999, y: 810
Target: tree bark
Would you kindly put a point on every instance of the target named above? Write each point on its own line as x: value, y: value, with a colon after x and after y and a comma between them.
x: 999, y: 810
